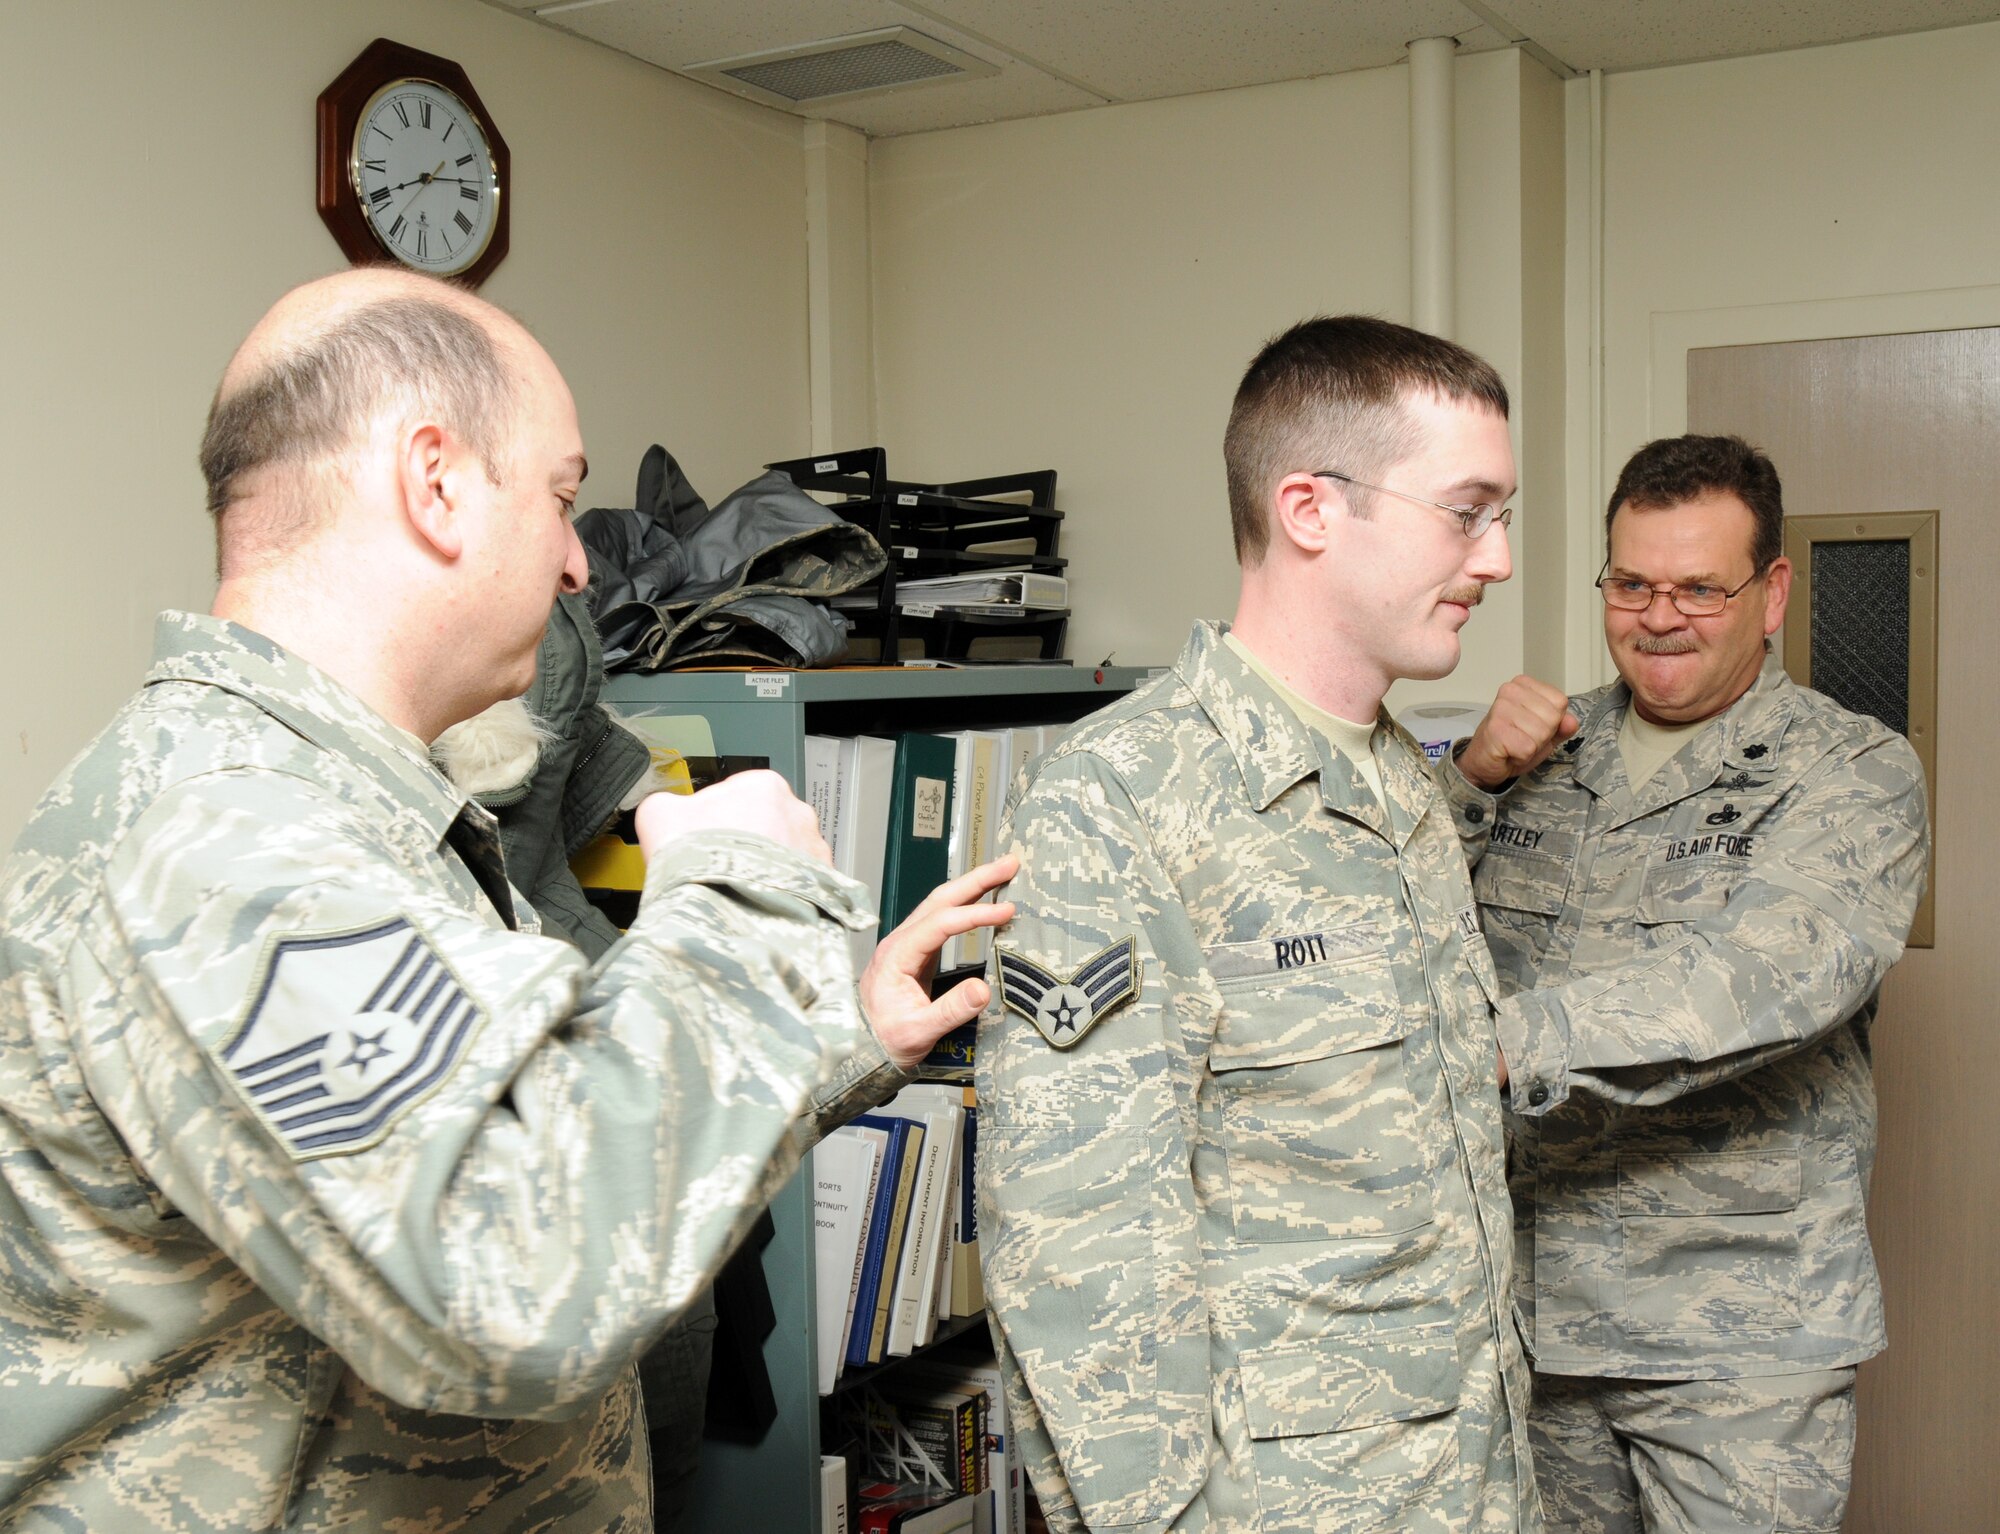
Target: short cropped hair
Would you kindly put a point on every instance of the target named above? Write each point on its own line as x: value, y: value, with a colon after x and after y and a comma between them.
x: 303, y: 410
x: 1671, y: 470
x: 1329, y: 394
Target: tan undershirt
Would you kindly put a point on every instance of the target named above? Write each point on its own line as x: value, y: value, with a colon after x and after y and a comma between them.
x: 1353, y: 741
x: 1647, y: 746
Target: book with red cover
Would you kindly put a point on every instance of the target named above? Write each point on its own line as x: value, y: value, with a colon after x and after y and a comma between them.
x: 890, y: 1509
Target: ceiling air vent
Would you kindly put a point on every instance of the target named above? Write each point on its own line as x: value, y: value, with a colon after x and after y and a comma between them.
x: 881, y: 60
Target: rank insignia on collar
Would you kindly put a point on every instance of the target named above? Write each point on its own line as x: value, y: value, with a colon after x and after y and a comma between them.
x: 1064, y: 1010
x: 1751, y: 753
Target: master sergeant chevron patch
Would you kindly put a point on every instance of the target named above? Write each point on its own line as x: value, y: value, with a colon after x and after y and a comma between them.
x: 1064, y: 1010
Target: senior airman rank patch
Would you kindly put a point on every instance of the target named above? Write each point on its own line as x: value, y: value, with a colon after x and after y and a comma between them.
x: 1063, y: 1011
x: 348, y: 1031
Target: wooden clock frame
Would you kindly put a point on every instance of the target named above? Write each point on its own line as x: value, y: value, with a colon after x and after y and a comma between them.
x: 339, y: 114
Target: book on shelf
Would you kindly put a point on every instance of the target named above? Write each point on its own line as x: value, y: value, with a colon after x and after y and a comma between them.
x: 887, y: 1508
x: 918, y: 1429
x: 940, y: 1109
x: 829, y: 772
x: 866, y: 829
x: 843, y: 1172
x: 877, y: 1259
x: 967, y: 1289
x: 968, y: 1362
x: 832, y: 1494
x: 950, y: 1058
x: 918, y: 852
x: 1014, y: 589
x: 901, y: 1196
x: 880, y: 1139
x: 978, y: 789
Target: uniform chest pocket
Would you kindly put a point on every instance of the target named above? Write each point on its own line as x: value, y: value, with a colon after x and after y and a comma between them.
x: 1688, y: 880
x: 1527, y: 886
x: 1695, y: 865
x: 1319, y: 1129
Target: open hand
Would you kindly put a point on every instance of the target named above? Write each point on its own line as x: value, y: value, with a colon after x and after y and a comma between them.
x: 895, y: 987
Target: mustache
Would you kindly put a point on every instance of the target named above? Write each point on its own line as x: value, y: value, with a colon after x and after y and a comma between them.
x: 1663, y: 644
x: 1469, y: 595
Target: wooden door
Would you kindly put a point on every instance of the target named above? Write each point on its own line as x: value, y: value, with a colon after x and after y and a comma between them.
x: 1876, y: 424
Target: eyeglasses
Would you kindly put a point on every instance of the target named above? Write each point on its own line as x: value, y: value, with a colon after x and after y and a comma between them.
x: 1698, y: 599
x: 1473, y: 520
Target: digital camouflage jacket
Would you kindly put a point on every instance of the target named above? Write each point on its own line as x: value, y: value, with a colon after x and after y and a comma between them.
x: 330, y: 1197
x: 1696, y: 967
x: 1242, y: 1207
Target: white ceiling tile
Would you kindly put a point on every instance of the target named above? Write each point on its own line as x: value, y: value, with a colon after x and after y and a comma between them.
x: 1618, y: 34
x: 1057, y: 55
x: 1134, y: 50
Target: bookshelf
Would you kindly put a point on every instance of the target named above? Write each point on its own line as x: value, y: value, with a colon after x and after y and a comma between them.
x: 774, y: 1484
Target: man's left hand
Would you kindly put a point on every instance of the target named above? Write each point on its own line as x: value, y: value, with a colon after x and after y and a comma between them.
x: 895, y: 987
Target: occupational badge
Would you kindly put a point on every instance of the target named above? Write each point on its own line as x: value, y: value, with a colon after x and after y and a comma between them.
x: 1062, y: 1009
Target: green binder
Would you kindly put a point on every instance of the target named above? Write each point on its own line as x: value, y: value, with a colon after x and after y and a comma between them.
x: 919, y: 848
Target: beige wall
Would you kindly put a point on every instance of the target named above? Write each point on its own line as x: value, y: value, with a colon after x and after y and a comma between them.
x: 158, y: 184
x: 1084, y: 291
x: 1826, y: 192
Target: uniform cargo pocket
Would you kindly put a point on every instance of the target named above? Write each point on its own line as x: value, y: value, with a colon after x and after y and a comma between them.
x: 1711, y: 1245
x: 1348, y: 1432
x: 1319, y: 1128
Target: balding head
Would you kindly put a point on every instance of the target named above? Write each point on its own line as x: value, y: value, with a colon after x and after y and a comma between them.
x: 330, y: 361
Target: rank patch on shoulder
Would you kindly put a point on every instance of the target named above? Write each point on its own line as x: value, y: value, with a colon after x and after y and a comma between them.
x: 346, y: 1033
x: 1064, y: 1010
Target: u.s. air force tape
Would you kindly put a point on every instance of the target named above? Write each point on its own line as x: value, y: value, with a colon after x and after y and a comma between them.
x: 1062, y: 1009
x: 346, y: 1032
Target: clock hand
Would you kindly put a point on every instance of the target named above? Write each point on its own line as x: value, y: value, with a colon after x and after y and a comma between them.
x: 421, y: 182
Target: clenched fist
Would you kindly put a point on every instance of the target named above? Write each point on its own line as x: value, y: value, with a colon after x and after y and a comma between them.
x: 1527, y: 721
x: 760, y: 801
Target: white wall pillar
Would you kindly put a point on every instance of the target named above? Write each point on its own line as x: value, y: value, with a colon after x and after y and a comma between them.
x: 839, y: 319
x: 1433, y: 243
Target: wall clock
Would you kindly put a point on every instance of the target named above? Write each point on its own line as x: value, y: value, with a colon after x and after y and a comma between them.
x: 410, y: 166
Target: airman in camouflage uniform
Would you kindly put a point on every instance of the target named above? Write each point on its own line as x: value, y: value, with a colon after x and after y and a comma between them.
x: 1692, y: 961
x: 333, y: 1196
x: 1242, y: 1204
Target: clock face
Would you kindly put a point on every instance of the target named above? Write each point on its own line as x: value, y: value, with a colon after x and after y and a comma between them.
x: 424, y: 175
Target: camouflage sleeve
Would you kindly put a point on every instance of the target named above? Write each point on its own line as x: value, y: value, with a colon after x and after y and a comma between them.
x: 1086, y: 1203
x: 866, y: 1080
x: 1472, y: 808
x: 486, y: 1171
x: 1789, y: 953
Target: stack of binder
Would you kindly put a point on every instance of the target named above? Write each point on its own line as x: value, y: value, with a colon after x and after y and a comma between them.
x: 1005, y: 524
